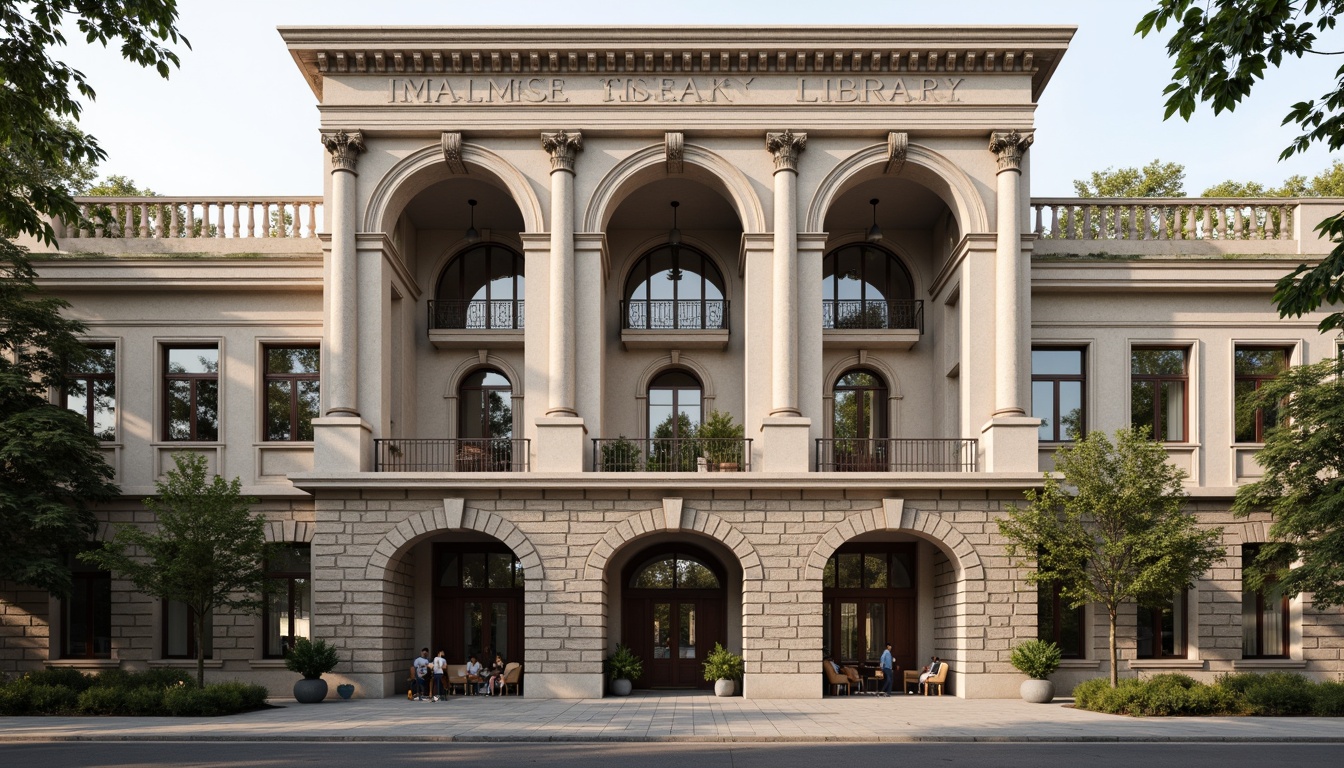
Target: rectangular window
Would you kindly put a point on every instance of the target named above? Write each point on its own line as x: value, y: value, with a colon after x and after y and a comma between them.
x: 1162, y: 629
x: 1057, y: 622
x: 179, y: 632
x: 1252, y: 368
x: 191, y: 393
x: 292, y: 392
x: 1264, y: 616
x: 289, y: 599
x: 1158, y: 392
x: 92, y: 391
x: 1057, y: 381
x: 86, y: 626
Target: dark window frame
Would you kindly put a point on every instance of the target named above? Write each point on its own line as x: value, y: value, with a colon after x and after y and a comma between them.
x: 890, y: 281
x: 462, y: 403
x: 293, y: 379
x: 881, y: 399
x: 641, y: 274
x: 1258, y: 380
x: 1263, y: 606
x: 834, y: 595
x: 289, y: 577
x: 1054, y: 633
x: 676, y: 401
x: 1155, y: 382
x: 452, y: 284
x: 85, y: 578
x: 1151, y: 617
x: 194, y: 380
x: 1055, y: 379
x: 191, y: 635
x: 74, y: 377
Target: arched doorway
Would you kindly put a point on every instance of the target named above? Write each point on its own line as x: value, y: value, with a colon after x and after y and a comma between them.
x: 478, y: 601
x: 869, y: 594
x: 674, y: 608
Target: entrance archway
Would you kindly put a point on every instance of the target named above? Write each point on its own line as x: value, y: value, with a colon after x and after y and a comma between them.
x: 674, y: 608
x: 478, y: 601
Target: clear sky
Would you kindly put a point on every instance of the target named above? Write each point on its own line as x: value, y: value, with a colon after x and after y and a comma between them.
x: 237, y: 119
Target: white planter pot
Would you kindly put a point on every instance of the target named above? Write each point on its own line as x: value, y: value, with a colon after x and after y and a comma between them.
x: 724, y: 687
x: 621, y: 687
x: 1037, y: 691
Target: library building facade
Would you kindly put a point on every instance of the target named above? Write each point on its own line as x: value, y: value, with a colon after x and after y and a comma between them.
x: 668, y: 337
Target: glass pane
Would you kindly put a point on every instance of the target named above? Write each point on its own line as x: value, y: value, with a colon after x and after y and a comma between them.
x: 875, y: 630
x: 1172, y: 405
x: 501, y: 570
x: 101, y: 359
x: 686, y: 631
x: 1043, y: 407
x: 194, y: 360
x: 827, y: 627
x: 1052, y: 362
x: 473, y: 570
x: 277, y: 618
x: 1245, y: 415
x: 1141, y: 411
x: 471, y: 630
x: 1271, y: 624
x: 1260, y: 362
x: 1158, y: 362
x: 660, y: 574
x: 1071, y: 410
x: 1168, y: 617
x: 848, y: 285
x: 77, y: 619
x: 1177, y: 627
x: 448, y: 575
x: 499, y: 628
x: 849, y: 631
x: 875, y: 571
x: 828, y: 572
x: 902, y: 570
x: 292, y: 360
x: 1071, y: 630
x: 1250, y: 638
x: 662, y: 630
x: 1146, y: 632
x: 176, y: 617
x: 1045, y: 613
x: 310, y: 399
x: 100, y: 596
x: 846, y: 415
x: 277, y: 410
x: 207, y: 410
x: 472, y: 424
x: 179, y: 410
x: 104, y: 409
x: 695, y: 575
x: 851, y: 572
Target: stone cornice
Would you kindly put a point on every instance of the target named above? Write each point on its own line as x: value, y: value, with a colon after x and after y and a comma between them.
x: 320, y: 51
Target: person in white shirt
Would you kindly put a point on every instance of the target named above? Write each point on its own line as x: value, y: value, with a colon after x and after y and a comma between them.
x: 440, y: 665
x: 930, y: 671
x: 419, y: 672
x: 474, y: 678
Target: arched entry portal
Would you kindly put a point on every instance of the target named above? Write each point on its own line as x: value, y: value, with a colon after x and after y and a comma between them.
x: 674, y: 608
x: 869, y: 594
x: 478, y: 601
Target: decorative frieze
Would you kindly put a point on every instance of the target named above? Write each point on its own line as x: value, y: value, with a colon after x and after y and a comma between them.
x: 563, y: 147
x: 345, y: 148
x: 1009, y: 146
x: 452, y: 152
x: 786, y: 146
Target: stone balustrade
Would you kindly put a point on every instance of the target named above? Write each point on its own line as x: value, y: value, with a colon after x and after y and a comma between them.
x: 195, y: 217
x: 1165, y: 218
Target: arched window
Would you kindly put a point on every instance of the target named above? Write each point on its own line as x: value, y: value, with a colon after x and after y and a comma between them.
x: 674, y: 287
x: 864, y: 286
x: 675, y: 571
x: 860, y: 406
x: 675, y: 405
x: 485, y: 406
x: 480, y: 289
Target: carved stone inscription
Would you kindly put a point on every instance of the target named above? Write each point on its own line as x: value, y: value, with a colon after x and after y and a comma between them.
x: 681, y: 89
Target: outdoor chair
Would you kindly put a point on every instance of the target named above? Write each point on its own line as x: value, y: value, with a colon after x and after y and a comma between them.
x: 836, y: 679
x: 513, y: 675
x: 939, y: 680
x: 911, y: 678
x: 458, y: 677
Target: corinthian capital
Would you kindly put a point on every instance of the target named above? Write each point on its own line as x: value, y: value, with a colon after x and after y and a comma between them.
x: 1009, y: 146
x: 562, y: 146
x: 786, y: 147
x: 344, y: 148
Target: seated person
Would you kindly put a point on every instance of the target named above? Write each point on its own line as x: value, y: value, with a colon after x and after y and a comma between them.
x: 850, y: 673
x: 930, y: 671
x: 495, y: 684
x: 474, y: 671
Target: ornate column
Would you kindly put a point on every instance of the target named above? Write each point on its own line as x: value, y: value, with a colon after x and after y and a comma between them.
x: 562, y: 147
x: 342, y: 440
x: 1010, y: 438
x: 341, y: 381
x: 785, y: 147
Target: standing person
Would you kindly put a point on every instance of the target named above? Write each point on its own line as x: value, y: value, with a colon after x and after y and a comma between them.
x: 419, y: 673
x: 474, y: 670
x: 436, y: 686
x: 887, y: 672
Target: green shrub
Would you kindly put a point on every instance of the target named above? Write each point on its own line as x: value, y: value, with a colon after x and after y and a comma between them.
x: 15, y: 698
x: 1036, y: 659
x: 52, y: 700
x: 1329, y: 700
x: 311, y: 658
x: 70, y: 678
x: 116, y: 700
x: 722, y: 664
x: 624, y: 664
x: 116, y: 692
x: 159, y: 678
x: 1086, y: 693
x: 1281, y: 694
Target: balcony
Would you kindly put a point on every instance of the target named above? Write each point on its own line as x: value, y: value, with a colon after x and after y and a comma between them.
x: 459, y: 324
x: 884, y: 454
x: 672, y: 454
x: 679, y: 324
x: 451, y: 455
x: 872, y: 324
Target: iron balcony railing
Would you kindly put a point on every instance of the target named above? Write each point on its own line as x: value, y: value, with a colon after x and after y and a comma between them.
x: 883, y: 454
x: 478, y: 315
x: 674, y: 315
x: 672, y: 454
x: 500, y: 454
x: 905, y: 314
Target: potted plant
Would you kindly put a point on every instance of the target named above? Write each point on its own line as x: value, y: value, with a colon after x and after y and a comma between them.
x: 312, y: 660
x: 724, y: 668
x: 721, y: 438
x: 1036, y: 659
x: 623, y: 668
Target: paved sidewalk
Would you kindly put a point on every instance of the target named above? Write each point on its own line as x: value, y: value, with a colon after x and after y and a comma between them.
x: 676, y: 717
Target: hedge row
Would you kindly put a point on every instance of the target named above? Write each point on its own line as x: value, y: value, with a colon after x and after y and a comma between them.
x: 116, y: 692
x: 1276, y: 694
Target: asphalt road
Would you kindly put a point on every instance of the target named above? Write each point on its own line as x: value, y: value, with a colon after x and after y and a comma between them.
x: 661, y: 755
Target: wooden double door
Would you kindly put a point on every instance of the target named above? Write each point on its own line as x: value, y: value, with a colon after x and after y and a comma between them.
x: 673, y: 634
x: 478, y: 603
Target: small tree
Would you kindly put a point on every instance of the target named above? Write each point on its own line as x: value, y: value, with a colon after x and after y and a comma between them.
x: 1118, y: 534
x: 207, y: 552
x: 1303, y: 484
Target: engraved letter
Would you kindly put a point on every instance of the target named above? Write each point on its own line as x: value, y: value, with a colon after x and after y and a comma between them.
x: 665, y: 89
x: 506, y: 93
x: 533, y: 94
x: 720, y: 87
x: 691, y: 90
x: 802, y: 91
x: 420, y: 92
x: 558, y: 90
x: 952, y: 84
x: 846, y: 90
x: 446, y: 89
x: 929, y: 85
x: 898, y: 89
x: 872, y: 89
x: 606, y: 86
x: 635, y: 90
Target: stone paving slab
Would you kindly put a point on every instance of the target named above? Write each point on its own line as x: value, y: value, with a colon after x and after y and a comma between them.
x: 675, y: 718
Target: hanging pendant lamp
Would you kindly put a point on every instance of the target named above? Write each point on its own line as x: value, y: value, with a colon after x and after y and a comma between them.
x: 874, y: 232
x: 472, y: 234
